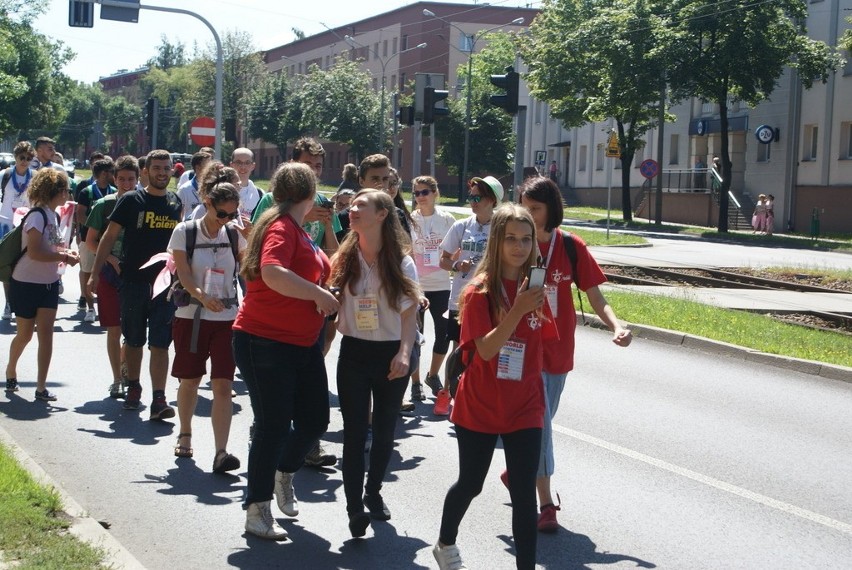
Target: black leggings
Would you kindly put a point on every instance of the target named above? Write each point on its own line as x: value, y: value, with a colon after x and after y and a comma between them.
x: 475, y: 451
x: 438, y: 303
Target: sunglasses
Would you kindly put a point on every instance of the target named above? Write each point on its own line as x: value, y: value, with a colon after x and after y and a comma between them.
x: 419, y: 193
x: 230, y: 215
x: 474, y: 198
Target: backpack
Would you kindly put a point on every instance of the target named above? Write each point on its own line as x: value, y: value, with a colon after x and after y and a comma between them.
x: 180, y: 296
x: 6, y: 177
x: 10, y: 247
x: 571, y: 250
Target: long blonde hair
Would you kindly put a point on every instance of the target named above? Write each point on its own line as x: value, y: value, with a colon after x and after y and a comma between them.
x: 488, y: 276
x: 395, y: 246
x: 292, y: 183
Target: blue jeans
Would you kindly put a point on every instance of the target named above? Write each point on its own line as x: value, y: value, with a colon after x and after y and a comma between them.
x: 553, y: 386
x: 286, y: 383
x: 362, y: 373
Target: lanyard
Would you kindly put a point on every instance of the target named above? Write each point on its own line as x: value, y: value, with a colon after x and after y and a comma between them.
x: 369, y: 274
x: 19, y: 188
x: 506, y: 295
x: 552, y: 247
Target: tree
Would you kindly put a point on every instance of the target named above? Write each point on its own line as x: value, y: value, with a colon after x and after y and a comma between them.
x: 273, y: 112
x: 738, y: 51
x: 846, y: 39
x: 81, y: 106
x: 178, y: 91
x: 591, y: 60
x: 169, y: 55
x: 337, y: 103
x: 492, y: 138
x: 29, y: 81
x: 122, y: 121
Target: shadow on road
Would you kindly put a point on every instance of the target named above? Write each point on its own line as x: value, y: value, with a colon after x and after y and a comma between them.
x: 22, y: 409
x: 131, y: 425
x: 186, y: 478
x: 568, y: 550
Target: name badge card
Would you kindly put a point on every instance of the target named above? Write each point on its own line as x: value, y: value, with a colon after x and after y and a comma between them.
x: 550, y: 293
x: 214, y: 283
x: 510, y: 361
x: 367, y: 313
x: 431, y: 255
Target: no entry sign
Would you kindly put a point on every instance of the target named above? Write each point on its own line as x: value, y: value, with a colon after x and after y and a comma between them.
x: 203, y: 131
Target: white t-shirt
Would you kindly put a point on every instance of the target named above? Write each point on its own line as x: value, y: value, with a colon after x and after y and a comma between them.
x: 29, y: 270
x: 12, y: 199
x: 249, y: 197
x: 184, y: 178
x: 471, y: 237
x: 217, y: 283
x: 189, y: 197
x: 427, y: 233
x: 389, y: 320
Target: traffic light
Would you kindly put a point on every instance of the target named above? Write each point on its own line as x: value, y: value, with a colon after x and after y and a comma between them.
x: 405, y: 116
x: 431, y: 97
x: 150, y: 110
x: 81, y: 14
x: 509, y: 83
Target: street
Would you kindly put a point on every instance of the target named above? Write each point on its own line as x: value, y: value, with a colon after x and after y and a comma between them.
x: 667, y: 457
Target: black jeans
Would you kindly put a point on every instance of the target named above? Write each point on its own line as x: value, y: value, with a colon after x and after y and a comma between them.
x: 286, y: 383
x: 438, y: 303
x: 475, y: 451
x: 362, y: 372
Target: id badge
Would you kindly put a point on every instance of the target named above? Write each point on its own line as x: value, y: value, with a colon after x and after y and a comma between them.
x: 431, y: 256
x: 510, y: 361
x: 214, y: 283
x: 367, y: 313
x: 550, y: 293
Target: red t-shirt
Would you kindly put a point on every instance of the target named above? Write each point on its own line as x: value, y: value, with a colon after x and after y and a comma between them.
x: 559, y: 352
x: 267, y: 313
x: 484, y: 402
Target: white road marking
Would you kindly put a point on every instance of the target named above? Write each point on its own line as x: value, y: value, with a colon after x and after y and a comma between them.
x: 716, y: 483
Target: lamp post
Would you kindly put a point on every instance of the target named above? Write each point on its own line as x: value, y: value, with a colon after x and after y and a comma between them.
x: 472, y: 38
x: 384, y: 62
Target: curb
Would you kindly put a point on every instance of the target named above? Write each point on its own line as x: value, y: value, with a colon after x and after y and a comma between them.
x: 814, y: 368
x: 82, y: 526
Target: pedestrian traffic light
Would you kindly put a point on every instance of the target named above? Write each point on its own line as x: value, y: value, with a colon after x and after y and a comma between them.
x: 81, y: 14
x: 432, y: 97
x: 405, y: 116
x: 509, y: 83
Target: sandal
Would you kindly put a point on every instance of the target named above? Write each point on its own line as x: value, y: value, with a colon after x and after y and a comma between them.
x: 181, y: 450
x: 224, y: 461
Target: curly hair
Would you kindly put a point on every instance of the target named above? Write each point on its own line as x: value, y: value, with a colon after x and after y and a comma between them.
x: 46, y: 185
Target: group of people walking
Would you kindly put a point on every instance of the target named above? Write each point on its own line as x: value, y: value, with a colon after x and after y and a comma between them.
x: 497, y: 285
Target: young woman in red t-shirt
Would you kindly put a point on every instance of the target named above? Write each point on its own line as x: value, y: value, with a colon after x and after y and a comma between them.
x: 278, y: 349
x: 500, y: 392
x: 541, y: 197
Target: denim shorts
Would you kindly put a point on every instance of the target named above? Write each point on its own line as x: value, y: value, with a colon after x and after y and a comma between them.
x: 140, y: 314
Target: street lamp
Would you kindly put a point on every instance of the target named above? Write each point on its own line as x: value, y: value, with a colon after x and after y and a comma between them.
x: 382, y: 119
x: 472, y: 39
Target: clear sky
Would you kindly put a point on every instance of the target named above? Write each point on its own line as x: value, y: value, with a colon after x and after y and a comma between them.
x: 110, y: 46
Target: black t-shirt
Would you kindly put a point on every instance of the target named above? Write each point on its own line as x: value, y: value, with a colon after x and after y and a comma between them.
x: 148, y: 222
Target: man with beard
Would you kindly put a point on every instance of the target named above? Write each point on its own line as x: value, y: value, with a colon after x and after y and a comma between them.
x: 147, y: 217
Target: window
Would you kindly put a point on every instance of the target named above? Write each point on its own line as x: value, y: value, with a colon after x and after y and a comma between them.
x: 385, y: 48
x: 673, y: 149
x: 706, y: 108
x: 393, y: 45
x: 599, y: 157
x: 811, y: 140
x: 376, y: 49
x: 466, y: 43
x: 327, y: 61
x: 393, y: 82
x: 764, y: 152
x: 581, y: 158
x: 845, y: 141
x: 401, y: 82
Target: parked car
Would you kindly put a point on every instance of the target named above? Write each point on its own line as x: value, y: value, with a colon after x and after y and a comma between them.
x: 7, y: 159
x: 69, y: 168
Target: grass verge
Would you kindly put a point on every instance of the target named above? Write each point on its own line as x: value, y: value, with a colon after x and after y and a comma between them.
x: 34, y: 533
x: 745, y: 329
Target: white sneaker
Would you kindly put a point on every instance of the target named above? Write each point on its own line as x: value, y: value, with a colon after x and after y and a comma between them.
x: 448, y: 557
x: 90, y: 316
x: 259, y: 522
x: 285, y: 495
x: 7, y: 312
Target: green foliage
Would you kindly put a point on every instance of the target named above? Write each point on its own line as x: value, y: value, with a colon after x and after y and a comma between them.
x: 177, y: 89
x: 337, y: 104
x: 846, y: 39
x: 122, y: 120
x: 80, y: 105
x: 492, y: 139
x: 273, y: 111
x: 739, y: 50
x: 595, y: 59
x: 169, y: 55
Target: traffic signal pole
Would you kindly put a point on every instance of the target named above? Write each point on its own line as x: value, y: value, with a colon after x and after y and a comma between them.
x: 219, y: 57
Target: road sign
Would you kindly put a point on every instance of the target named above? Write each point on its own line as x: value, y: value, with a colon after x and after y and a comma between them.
x: 203, y: 131
x: 649, y: 168
x: 612, y: 148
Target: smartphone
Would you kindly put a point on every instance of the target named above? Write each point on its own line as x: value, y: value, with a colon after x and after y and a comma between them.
x: 536, y: 276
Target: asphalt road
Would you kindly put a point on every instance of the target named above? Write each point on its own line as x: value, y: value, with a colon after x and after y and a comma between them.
x: 666, y: 457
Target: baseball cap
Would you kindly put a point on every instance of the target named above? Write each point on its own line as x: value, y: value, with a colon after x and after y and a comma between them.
x: 492, y: 183
x: 178, y: 169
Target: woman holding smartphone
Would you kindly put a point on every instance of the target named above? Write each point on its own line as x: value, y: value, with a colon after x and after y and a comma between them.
x: 500, y: 393
x: 378, y: 303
